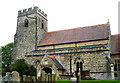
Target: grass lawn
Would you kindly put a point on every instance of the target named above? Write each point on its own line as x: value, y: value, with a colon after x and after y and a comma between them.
x: 62, y: 81
x: 90, y: 81
x: 100, y: 81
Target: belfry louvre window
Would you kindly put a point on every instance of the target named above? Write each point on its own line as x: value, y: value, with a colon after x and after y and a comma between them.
x: 42, y: 24
x: 26, y: 23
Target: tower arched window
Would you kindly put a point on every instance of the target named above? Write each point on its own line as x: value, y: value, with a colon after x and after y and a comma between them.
x: 26, y: 22
x: 42, y: 24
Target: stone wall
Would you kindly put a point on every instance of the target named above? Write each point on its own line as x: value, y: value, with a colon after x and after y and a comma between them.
x: 95, y: 62
x: 116, y: 65
x: 94, y: 57
x: 27, y: 38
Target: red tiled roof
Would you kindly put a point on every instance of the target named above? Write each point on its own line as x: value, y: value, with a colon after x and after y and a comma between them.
x: 57, y: 62
x: 77, y: 34
x: 115, y: 44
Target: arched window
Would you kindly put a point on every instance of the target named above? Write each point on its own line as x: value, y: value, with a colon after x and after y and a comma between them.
x: 42, y: 24
x: 115, y: 74
x: 26, y: 23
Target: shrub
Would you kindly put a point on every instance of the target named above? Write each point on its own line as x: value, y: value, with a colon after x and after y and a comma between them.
x: 23, y: 68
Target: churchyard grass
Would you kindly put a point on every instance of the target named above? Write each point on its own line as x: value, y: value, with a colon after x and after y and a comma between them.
x: 90, y: 81
x: 100, y: 81
x: 62, y: 81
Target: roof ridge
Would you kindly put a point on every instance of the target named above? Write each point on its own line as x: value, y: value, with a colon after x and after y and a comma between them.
x: 79, y: 27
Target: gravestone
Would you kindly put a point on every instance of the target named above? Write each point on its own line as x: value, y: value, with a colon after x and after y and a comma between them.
x: 0, y: 78
x: 24, y: 78
x: 3, y: 79
x: 15, y: 76
x: 73, y: 80
x: 53, y: 77
x: 29, y: 78
x: 33, y: 78
x: 7, y: 77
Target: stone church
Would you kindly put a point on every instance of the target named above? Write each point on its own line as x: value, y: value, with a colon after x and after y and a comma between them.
x: 56, y: 53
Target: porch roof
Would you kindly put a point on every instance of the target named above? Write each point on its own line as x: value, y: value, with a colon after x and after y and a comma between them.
x: 57, y: 62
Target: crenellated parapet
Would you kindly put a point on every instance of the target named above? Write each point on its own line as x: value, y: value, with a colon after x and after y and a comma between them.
x: 31, y: 11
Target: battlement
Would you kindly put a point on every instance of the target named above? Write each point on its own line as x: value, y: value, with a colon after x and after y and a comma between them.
x: 31, y: 11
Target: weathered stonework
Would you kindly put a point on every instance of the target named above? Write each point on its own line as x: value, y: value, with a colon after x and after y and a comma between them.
x: 93, y: 53
x: 94, y: 58
x: 27, y: 38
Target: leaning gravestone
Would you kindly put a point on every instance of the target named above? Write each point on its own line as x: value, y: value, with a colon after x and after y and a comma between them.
x: 15, y: 76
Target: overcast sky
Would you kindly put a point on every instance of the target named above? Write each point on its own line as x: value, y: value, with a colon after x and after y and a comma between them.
x: 62, y: 14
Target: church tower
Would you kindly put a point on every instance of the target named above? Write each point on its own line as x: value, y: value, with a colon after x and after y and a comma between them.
x: 31, y: 25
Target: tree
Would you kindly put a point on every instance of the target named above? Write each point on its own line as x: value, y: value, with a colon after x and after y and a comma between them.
x: 19, y: 65
x: 0, y: 61
x: 6, y: 53
x: 23, y: 68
